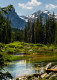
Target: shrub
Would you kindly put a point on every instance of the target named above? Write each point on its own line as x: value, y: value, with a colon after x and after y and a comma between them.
x: 10, y: 50
x: 1, y: 45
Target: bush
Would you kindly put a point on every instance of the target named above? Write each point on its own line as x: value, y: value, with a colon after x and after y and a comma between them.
x: 1, y: 60
x: 10, y: 50
x: 1, y: 45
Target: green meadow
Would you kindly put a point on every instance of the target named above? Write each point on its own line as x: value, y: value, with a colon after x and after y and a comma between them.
x: 36, y: 52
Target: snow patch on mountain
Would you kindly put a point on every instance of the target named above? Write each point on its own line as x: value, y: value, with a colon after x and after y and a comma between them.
x: 44, y: 14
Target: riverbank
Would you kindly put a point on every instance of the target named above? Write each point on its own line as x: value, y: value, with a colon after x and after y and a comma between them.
x: 36, y: 52
x: 45, y: 75
x: 39, y: 77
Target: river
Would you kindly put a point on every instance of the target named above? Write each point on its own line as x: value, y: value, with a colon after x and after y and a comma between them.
x: 22, y: 67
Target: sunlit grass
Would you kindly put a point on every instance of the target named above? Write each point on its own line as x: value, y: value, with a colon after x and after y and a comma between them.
x: 37, y: 52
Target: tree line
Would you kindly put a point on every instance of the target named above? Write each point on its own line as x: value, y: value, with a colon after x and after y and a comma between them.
x: 38, y: 33
x: 5, y: 28
x: 7, y: 33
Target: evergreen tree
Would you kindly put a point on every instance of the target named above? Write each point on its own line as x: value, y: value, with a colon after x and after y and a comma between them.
x: 56, y: 34
x: 28, y: 31
x: 33, y: 25
x: 25, y: 34
x: 38, y: 32
x: 53, y: 28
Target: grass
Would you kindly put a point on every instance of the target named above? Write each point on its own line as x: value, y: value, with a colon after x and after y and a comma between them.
x: 37, y: 52
x: 13, y: 58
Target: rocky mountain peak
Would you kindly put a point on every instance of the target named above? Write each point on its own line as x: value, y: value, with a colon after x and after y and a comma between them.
x: 16, y: 21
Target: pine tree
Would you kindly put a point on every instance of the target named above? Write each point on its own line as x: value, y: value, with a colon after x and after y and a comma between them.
x: 25, y: 34
x: 56, y: 34
x: 33, y: 32
x: 53, y: 28
x: 28, y: 31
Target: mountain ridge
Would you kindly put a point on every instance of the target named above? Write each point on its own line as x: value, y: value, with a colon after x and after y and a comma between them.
x: 16, y: 21
x: 20, y: 21
x: 45, y: 14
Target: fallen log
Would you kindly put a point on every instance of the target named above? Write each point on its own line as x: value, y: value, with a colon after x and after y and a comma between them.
x: 51, y: 70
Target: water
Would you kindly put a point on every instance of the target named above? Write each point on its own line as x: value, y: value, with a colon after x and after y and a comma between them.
x: 19, y: 54
x: 21, y: 68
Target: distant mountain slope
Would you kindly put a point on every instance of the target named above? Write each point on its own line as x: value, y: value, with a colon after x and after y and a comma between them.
x: 16, y: 21
x: 44, y: 14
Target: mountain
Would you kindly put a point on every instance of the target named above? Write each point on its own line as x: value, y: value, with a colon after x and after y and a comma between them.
x: 20, y: 21
x: 44, y: 14
x: 16, y: 21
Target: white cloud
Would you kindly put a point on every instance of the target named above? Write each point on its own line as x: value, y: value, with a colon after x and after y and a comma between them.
x: 34, y: 3
x: 29, y: 5
x: 24, y: 6
x: 50, y: 6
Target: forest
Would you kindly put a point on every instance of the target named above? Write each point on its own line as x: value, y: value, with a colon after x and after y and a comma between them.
x: 35, y: 32
x: 41, y: 33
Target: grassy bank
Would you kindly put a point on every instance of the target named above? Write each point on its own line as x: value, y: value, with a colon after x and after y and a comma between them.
x: 36, y: 52
x: 14, y: 58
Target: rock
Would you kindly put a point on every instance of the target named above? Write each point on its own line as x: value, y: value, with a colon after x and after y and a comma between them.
x: 30, y: 50
x: 35, y: 75
x: 49, y: 75
x: 29, y: 77
x: 43, y: 75
x: 48, y: 66
x: 54, y: 67
x: 17, y: 79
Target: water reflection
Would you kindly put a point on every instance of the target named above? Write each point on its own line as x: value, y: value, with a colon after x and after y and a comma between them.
x: 21, y: 68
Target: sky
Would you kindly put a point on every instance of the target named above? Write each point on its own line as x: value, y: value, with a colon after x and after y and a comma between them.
x: 27, y: 7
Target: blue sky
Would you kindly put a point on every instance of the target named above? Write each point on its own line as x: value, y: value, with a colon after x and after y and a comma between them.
x: 27, y: 7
